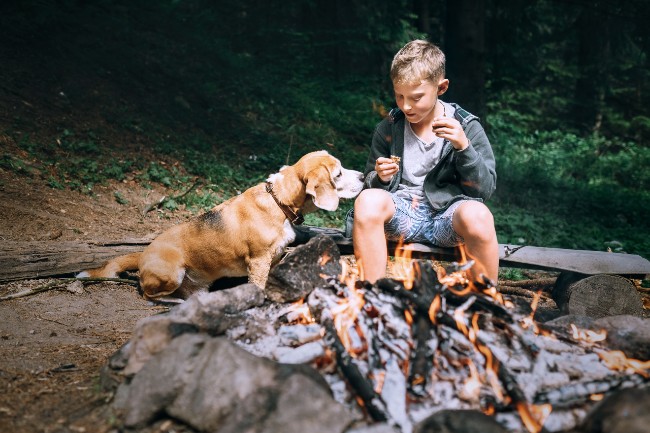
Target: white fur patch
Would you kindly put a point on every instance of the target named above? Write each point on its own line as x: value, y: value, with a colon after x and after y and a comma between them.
x: 275, y: 177
x: 289, y: 236
x: 83, y: 274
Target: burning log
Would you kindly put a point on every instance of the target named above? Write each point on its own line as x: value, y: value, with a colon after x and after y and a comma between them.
x: 577, y: 393
x: 425, y: 347
x: 372, y: 402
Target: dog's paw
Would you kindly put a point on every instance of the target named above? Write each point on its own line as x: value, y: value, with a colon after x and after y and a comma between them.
x: 84, y: 274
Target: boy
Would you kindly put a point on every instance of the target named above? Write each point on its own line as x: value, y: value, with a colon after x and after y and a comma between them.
x: 434, y: 191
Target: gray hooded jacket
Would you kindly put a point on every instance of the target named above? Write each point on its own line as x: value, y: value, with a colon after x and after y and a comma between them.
x: 466, y: 174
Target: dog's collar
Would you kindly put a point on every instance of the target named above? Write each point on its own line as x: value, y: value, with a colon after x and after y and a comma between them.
x: 295, y: 218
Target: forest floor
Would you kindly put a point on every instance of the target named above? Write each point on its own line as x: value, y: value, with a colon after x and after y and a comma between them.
x: 53, y: 344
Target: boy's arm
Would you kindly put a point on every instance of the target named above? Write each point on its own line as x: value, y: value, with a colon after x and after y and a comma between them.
x: 380, y: 147
x: 476, y: 164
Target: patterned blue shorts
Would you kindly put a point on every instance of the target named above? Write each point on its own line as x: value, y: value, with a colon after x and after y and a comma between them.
x: 416, y: 221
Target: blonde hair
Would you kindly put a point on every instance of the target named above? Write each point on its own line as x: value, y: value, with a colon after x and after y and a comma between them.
x: 417, y: 61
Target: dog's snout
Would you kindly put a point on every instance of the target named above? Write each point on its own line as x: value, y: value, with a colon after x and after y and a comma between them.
x: 360, y: 176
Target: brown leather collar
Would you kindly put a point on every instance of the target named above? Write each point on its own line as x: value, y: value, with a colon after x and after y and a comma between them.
x: 294, y: 218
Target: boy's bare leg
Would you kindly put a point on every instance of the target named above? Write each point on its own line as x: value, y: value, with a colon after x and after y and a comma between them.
x: 372, y: 209
x: 475, y: 223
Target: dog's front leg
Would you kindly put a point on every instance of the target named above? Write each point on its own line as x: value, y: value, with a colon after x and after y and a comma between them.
x: 258, y: 270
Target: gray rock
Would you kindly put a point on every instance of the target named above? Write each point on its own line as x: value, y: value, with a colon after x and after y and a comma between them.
x: 630, y: 334
x: 459, y: 421
x: 213, y: 385
x: 623, y: 412
x: 213, y: 313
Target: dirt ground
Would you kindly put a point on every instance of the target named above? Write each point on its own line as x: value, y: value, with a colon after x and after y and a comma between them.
x: 54, y: 343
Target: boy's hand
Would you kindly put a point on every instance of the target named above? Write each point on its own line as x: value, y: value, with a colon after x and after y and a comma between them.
x: 386, y: 169
x: 450, y: 129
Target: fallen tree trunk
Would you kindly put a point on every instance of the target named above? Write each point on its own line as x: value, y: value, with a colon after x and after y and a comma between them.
x: 24, y: 260
x: 596, y: 295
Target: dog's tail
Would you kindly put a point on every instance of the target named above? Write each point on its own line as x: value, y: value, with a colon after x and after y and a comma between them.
x: 114, y: 267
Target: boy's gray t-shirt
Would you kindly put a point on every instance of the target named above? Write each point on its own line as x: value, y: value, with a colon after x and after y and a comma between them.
x: 418, y: 160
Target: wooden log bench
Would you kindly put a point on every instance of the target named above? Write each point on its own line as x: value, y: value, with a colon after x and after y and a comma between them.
x: 28, y: 260
x: 590, y: 283
x: 514, y: 256
x: 23, y: 260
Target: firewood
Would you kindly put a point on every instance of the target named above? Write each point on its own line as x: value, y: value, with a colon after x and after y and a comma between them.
x: 581, y: 392
x: 535, y: 284
x: 372, y: 402
x: 421, y: 361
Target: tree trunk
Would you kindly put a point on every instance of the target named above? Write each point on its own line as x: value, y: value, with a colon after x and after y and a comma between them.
x: 596, y: 296
x: 465, y: 51
x: 423, y: 12
x: 23, y: 260
x: 594, y: 56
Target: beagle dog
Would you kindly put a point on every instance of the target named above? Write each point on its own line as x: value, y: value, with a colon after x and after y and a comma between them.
x: 243, y: 236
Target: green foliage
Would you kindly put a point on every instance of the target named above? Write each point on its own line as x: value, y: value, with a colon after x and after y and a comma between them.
x: 120, y: 198
x: 330, y: 219
x: 560, y: 190
x: 511, y: 274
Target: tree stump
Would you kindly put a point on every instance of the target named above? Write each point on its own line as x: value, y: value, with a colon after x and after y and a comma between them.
x: 596, y: 296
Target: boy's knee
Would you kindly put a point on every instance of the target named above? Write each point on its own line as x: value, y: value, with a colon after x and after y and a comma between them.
x: 474, y: 218
x: 371, y: 204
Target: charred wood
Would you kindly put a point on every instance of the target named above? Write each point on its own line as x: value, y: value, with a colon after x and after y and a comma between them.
x: 372, y: 402
x: 579, y: 393
x: 421, y: 362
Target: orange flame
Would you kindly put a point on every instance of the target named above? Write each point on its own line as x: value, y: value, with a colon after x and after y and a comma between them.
x: 345, y: 314
x: 408, y: 317
x: 403, y: 268
x: 533, y: 416
x: 299, y: 312
x: 587, y: 335
x: 324, y: 259
x: 349, y: 274
x: 434, y: 308
x: 617, y: 361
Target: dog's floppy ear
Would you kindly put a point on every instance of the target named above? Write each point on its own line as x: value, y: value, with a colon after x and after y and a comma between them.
x: 320, y: 188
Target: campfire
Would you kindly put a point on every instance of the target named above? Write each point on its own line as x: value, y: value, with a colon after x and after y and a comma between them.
x: 429, y: 339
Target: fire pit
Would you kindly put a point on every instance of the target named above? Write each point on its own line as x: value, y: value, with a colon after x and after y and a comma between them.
x: 423, y: 349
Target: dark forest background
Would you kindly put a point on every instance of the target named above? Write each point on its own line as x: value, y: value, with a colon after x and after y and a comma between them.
x: 228, y: 91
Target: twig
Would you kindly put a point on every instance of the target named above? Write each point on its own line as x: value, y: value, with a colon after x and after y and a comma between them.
x: 518, y: 291
x: 53, y: 321
x: 536, y: 283
x: 63, y: 282
x: 166, y: 198
x: 28, y: 292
